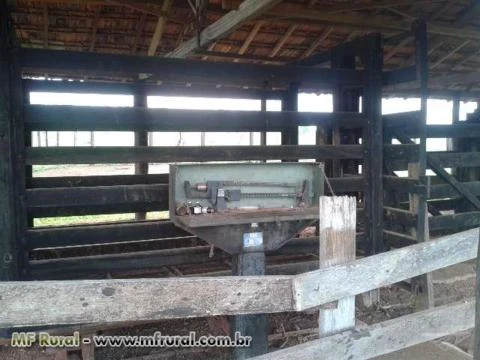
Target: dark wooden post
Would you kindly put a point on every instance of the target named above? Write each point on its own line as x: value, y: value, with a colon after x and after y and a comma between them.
x: 373, y: 145
x: 290, y: 103
x: 476, y: 333
x: 141, y: 139
x: 452, y: 144
x: 344, y: 99
x: 12, y: 172
x: 422, y: 284
x: 250, y: 261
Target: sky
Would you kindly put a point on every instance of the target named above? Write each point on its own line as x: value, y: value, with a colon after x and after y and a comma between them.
x: 438, y: 112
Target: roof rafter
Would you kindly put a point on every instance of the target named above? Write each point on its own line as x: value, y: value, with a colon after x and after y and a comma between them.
x: 450, y: 53
x: 93, y: 36
x: 157, y: 35
x: 255, y: 29
x: 223, y: 26
x: 316, y: 43
x: 278, y: 46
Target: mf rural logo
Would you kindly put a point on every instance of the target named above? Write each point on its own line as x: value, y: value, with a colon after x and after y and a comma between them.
x: 27, y: 339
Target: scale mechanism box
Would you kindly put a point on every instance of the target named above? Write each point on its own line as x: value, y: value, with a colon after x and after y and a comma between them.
x: 223, y: 203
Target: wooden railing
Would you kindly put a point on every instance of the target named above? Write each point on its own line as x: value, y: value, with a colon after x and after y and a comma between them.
x: 98, y: 301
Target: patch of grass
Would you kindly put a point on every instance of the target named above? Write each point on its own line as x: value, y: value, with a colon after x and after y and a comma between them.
x: 95, y: 219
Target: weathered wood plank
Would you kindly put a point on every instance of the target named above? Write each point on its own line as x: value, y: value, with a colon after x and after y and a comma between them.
x: 83, y: 118
x: 312, y: 289
x: 385, y: 337
x: 337, y: 226
x: 141, y: 299
x: 195, y: 297
x: 97, y: 155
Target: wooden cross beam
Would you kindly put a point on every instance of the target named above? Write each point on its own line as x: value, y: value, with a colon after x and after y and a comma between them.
x: 223, y: 26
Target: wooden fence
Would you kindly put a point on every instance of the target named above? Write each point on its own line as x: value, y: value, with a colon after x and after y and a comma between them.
x: 98, y: 301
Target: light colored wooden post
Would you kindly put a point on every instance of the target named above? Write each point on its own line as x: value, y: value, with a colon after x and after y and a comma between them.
x: 421, y: 285
x: 337, y: 225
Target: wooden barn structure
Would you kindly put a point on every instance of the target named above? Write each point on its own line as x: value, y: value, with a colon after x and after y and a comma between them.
x: 265, y: 50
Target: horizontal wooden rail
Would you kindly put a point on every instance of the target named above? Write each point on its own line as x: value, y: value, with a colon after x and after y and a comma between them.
x: 461, y: 130
x: 155, y: 89
x: 82, y: 118
x: 101, y: 233
x: 167, y: 154
x: 23, y: 303
x: 340, y: 184
x: 175, y: 70
x: 75, y: 267
x: 455, y: 221
x: 400, y: 216
x: 447, y: 191
x: 96, y: 180
x: 385, y: 337
x: 50, y: 201
x: 397, y: 240
x: 314, y: 288
x: 96, y: 199
x: 445, y: 159
x: 402, y: 120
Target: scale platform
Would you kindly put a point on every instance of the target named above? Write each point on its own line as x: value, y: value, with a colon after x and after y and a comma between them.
x: 220, y: 202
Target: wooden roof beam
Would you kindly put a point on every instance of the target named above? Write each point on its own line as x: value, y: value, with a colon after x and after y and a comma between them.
x: 255, y: 29
x: 471, y: 57
x: 283, y: 40
x: 355, y: 22
x: 400, y: 45
x: 157, y: 35
x: 247, y: 10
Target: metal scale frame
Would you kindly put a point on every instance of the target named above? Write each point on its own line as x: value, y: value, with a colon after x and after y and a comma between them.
x: 246, y: 209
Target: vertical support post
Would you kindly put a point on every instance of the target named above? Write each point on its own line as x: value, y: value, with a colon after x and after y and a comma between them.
x: 251, y: 261
x: 373, y: 145
x: 476, y: 332
x: 263, y: 109
x: 451, y: 143
x: 290, y: 103
x: 344, y: 99
x: 337, y: 246
x: 422, y: 286
x: 141, y: 139
x: 12, y: 172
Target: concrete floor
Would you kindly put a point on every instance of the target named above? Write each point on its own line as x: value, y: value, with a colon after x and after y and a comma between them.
x: 428, y: 351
